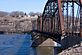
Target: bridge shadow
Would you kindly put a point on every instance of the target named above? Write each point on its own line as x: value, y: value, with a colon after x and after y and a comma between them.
x: 70, y: 41
x: 66, y: 42
x: 38, y: 41
x: 39, y: 37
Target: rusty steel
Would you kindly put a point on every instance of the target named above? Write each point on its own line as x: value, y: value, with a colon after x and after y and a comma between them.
x: 81, y: 19
x: 61, y: 16
x: 81, y: 1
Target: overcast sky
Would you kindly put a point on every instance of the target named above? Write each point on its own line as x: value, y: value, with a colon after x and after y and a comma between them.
x: 22, y: 5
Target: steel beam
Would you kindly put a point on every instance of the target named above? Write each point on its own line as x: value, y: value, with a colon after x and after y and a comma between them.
x: 72, y: 18
x: 81, y: 2
x: 81, y: 18
x: 61, y: 16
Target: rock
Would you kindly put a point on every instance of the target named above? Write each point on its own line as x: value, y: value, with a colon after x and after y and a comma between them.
x: 72, y: 51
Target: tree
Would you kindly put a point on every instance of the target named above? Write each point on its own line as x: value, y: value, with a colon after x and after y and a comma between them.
x: 33, y: 14
x: 17, y: 13
x: 2, y: 13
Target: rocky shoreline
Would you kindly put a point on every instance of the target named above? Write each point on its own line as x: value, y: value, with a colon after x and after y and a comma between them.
x: 17, y: 24
x: 72, y: 51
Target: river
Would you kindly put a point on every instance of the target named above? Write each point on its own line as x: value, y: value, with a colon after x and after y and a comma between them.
x: 16, y: 44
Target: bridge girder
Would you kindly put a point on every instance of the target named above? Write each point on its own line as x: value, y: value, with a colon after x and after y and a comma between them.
x: 52, y: 20
x: 59, y: 17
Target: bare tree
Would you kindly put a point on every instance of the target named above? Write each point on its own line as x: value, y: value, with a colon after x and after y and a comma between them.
x: 2, y: 13
x: 33, y: 14
x: 17, y: 13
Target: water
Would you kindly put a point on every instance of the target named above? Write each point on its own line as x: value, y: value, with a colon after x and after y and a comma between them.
x: 16, y: 44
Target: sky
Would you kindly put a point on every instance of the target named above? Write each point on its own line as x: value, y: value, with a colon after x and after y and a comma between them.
x: 22, y: 5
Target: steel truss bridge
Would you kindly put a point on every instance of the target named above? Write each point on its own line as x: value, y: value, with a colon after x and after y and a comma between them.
x: 60, y: 18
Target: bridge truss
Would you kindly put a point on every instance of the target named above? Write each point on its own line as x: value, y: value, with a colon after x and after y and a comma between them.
x: 61, y: 17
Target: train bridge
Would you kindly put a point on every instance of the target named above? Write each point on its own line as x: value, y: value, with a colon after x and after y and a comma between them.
x: 60, y: 19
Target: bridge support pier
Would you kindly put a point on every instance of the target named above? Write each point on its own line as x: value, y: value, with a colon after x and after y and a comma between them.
x: 45, y: 46
x: 45, y: 50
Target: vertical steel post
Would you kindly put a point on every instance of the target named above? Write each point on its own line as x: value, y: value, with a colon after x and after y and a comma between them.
x: 67, y: 21
x: 72, y: 18
x: 36, y: 24
x: 81, y: 18
x: 51, y: 22
x: 61, y: 17
x: 40, y: 23
x: 81, y: 1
